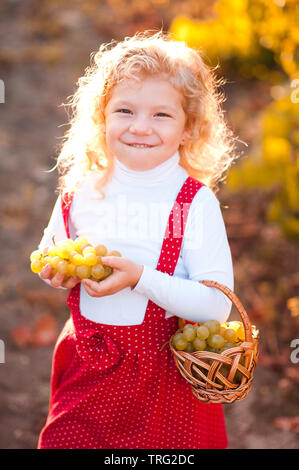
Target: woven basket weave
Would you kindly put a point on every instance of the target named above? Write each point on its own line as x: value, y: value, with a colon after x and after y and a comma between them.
x: 202, y: 369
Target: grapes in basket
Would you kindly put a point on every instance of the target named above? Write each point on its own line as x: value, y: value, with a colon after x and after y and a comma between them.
x: 210, y: 336
x: 74, y: 258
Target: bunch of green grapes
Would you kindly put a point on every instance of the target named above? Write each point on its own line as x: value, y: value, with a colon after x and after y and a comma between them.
x: 209, y: 336
x: 74, y: 258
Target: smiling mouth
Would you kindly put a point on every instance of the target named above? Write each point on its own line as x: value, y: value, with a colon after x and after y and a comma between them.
x: 141, y: 146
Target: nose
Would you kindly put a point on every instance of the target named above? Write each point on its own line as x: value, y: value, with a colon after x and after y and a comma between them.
x: 141, y: 126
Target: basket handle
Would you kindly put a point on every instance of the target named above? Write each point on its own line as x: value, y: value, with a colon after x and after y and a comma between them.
x: 237, y: 303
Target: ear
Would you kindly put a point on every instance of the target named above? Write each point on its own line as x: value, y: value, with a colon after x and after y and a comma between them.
x: 187, y: 134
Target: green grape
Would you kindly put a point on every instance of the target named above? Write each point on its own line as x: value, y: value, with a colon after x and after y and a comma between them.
x: 101, y: 250
x: 54, y: 261
x: 63, y: 249
x: 62, y: 267
x: 82, y: 247
x: 70, y: 244
x: 36, y: 254
x: 189, y: 333
x: 79, y: 241
x: 78, y: 259
x: 71, y: 269
x: 213, y: 326
x: 230, y: 335
x: 114, y: 253
x: 84, y: 272
x: 179, y: 342
x: 199, y: 344
x: 222, y: 330
x: 89, y: 258
x: 189, y: 348
x: 72, y: 254
x: 177, y: 336
x: 36, y: 266
x: 216, y: 341
x: 226, y: 346
x: 89, y: 249
x: 52, y: 251
x: 107, y: 271
x: 188, y: 325
x: 98, y: 271
x: 202, y: 332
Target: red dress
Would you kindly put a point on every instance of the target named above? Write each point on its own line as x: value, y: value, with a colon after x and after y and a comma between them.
x: 112, y: 387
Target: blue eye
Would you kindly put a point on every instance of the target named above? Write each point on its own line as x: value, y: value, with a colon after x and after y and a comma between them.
x: 162, y: 114
x: 123, y: 110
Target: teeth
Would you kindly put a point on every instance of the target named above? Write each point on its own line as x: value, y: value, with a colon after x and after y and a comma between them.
x: 140, y: 146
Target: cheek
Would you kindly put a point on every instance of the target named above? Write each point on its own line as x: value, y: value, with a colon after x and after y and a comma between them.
x: 113, y: 131
x: 173, y: 132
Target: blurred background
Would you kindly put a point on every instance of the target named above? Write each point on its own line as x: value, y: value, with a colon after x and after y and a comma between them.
x: 45, y: 47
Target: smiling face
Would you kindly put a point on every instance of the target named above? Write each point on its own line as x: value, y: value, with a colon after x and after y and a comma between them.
x: 145, y: 122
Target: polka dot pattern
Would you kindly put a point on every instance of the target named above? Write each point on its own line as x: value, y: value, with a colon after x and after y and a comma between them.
x: 112, y: 387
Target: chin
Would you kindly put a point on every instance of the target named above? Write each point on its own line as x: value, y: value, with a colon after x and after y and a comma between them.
x: 139, y: 167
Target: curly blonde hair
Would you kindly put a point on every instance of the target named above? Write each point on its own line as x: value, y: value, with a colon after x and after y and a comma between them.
x: 207, y: 154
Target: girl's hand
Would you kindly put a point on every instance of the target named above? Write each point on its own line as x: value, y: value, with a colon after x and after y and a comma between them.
x: 56, y: 280
x: 125, y: 273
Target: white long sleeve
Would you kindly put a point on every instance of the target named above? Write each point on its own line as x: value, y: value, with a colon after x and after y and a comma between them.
x: 206, y: 256
x: 132, y: 219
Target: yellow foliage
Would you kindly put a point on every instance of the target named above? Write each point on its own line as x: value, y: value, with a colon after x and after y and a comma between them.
x: 250, y: 174
x: 275, y: 210
x: 242, y: 28
x: 230, y: 34
x: 295, y: 137
x: 275, y: 124
x: 277, y: 162
x: 291, y: 227
x: 262, y: 36
x: 292, y: 186
x: 276, y: 149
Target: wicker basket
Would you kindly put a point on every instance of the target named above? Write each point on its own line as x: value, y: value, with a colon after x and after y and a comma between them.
x: 202, y: 369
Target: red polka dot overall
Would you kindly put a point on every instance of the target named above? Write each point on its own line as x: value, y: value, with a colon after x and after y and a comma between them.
x: 112, y: 387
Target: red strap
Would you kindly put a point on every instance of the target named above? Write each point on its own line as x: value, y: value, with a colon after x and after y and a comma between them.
x: 175, y: 229
x: 66, y: 202
x: 173, y: 239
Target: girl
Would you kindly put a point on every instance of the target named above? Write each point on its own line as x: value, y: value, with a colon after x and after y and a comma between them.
x: 147, y: 144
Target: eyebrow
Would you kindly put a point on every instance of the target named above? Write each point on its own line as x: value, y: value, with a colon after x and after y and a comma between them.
x: 160, y: 107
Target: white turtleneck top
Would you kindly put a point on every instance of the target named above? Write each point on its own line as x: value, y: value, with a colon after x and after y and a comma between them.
x: 132, y: 219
